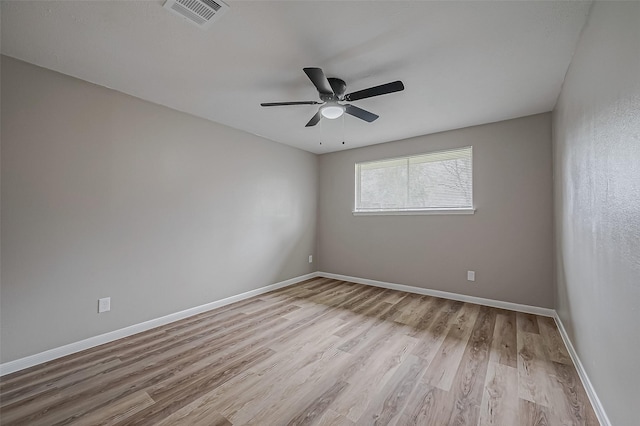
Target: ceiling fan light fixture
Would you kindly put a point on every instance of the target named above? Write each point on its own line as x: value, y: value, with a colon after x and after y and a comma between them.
x: 332, y: 111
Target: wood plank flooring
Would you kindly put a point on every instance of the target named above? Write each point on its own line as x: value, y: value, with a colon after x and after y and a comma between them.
x: 323, y: 352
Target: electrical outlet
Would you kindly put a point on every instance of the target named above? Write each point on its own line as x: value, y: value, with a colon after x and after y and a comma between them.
x: 471, y: 275
x: 104, y: 305
x: 310, y: 258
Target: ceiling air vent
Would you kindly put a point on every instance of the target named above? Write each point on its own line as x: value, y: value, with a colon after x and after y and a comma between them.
x: 199, y: 12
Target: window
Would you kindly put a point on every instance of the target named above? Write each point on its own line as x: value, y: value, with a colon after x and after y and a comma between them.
x: 437, y: 182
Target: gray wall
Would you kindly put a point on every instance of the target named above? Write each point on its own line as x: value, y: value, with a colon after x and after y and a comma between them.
x: 597, y: 205
x: 508, y: 242
x: 104, y: 195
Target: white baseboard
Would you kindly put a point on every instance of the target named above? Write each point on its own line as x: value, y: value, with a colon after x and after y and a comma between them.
x: 546, y: 312
x: 591, y: 392
x: 51, y: 354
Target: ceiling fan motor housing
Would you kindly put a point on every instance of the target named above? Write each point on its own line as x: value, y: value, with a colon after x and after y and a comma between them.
x: 338, y: 86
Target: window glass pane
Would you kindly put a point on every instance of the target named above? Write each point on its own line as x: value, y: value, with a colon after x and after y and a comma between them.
x: 439, y: 180
x: 442, y: 184
x: 384, y: 187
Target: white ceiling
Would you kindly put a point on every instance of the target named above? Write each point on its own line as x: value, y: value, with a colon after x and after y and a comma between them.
x: 462, y: 63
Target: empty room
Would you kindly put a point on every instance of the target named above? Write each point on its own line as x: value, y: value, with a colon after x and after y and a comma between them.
x: 320, y: 212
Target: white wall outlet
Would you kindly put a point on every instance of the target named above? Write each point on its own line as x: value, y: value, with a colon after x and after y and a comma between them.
x: 471, y: 275
x: 104, y: 305
x: 310, y: 258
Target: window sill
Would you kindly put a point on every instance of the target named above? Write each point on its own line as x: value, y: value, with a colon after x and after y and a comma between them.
x: 414, y: 212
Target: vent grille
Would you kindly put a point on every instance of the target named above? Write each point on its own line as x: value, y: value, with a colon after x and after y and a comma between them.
x: 199, y: 12
x: 212, y: 4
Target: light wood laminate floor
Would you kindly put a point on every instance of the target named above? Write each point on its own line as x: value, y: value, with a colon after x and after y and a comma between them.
x: 322, y: 352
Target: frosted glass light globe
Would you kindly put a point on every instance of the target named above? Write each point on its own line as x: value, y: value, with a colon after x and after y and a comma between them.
x: 332, y: 111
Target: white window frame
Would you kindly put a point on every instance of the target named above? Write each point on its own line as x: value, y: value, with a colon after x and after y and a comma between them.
x: 410, y: 212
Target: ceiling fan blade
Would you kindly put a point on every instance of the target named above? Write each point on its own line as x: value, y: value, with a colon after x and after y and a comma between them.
x: 317, y: 77
x: 268, y: 104
x: 383, y: 89
x: 360, y: 113
x: 314, y: 120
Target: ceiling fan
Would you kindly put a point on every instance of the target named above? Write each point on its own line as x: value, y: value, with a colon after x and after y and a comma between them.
x: 331, y: 91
